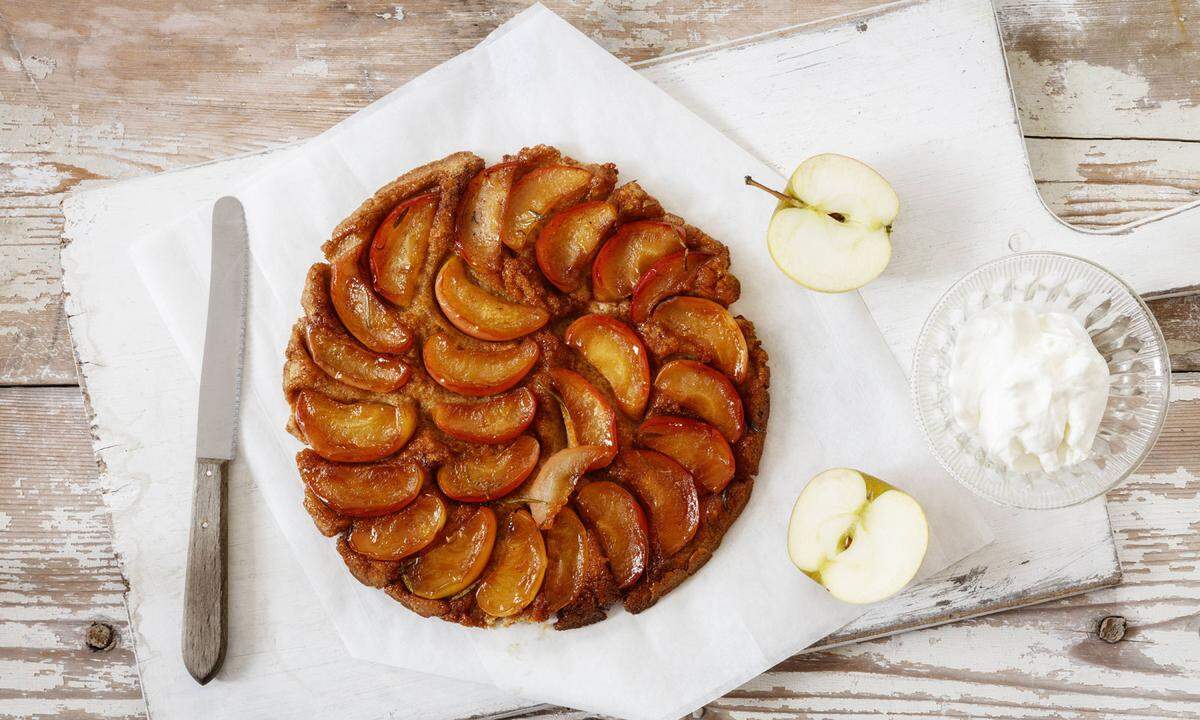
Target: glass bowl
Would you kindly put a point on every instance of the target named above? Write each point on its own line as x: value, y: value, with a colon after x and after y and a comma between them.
x: 1123, y: 331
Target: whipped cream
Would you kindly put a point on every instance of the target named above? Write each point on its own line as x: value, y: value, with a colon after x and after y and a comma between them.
x: 1029, y: 385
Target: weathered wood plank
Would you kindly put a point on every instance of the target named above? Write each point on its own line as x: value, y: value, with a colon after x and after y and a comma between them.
x: 58, y: 572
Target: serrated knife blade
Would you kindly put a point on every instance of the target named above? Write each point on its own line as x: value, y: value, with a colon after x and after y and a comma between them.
x: 216, y: 433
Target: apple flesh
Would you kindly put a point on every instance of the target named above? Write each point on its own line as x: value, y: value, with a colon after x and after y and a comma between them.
x: 861, y: 538
x: 491, y: 421
x: 621, y: 524
x: 481, y: 220
x: 617, y: 353
x: 478, y: 373
x: 486, y: 473
x: 566, y: 553
x: 516, y: 570
x: 456, y: 560
x: 538, y: 194
x: 353, y: 432
x: 402, y: 534
x: 832, y: 229
x: 479, y: 313
x: 588, y: 418
x: 566, y: 245
x: 551, y: 489
x: 400, y: 246
x: 360, y: 490
x: 344, y: 359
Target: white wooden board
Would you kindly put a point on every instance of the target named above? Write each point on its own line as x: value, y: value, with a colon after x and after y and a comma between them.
x: 920, y: 92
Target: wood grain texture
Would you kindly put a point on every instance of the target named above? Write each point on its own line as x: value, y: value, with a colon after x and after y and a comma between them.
x: 204, y: 587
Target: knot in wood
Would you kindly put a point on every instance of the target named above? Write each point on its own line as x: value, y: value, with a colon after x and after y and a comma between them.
x: 100, y: 636
x: 1112, y: 629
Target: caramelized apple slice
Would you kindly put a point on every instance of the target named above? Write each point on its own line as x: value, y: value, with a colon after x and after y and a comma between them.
x: 699, y: 447
x: 556, y: 480
x: 517, y: 568
x: 400, y: 246
x: 492, y: 421
x: 481, y: 220
x: 621, y: 525
x: 455, y: 561
x: 566, y: 555
x: 589, y: 418
x: 357, y: 490
x: 701, y: 390
x: 368, y: 318
x: 669, y: 276
x: 401, y: 534
x: 627, y: 255
x: 478, y: 372
x: 710, y: 327
x: 611, y: 347
x: 345, y: 360
x: 538, y: 194
x: 486, y: 473
x: 353, y: 432
x: 668, y: 493
x: 566, y: 245
x: 478, y: 312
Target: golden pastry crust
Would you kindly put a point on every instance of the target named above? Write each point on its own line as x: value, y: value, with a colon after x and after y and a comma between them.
x: 518, y: 278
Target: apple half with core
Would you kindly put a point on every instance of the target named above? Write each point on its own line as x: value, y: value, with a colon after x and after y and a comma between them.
x: 832, y: 229
x: 861, y: 538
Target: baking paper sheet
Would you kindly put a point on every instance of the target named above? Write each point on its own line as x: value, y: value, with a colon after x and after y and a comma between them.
x: 838, y: 397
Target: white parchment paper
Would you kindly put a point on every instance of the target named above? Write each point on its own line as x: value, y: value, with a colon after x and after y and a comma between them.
x: 838, y: 397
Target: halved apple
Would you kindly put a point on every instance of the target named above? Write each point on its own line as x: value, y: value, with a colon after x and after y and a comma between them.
x: 486, y: 473
x: 478, y: 312
x: 478, y: 373
x: 539, y: 193
x: 566, y: 557
x: 699, y: 447
x: 481, y: 220
x: 621, y: 526
x: 361, y: 490
x: 669, y: 276
x: 567, y: 243
x: 516, y: 570
x: 708, y: 326
x: 701, y: 390
x: 353, y: 432
x: 666, y: 491
x: 861, y: 538
x: 345, y: 360
x: 629, y: 253
x: 400, y: 246
x: 556, y: 480
x: 456, y: 560
x: 588, y: 418
x: 617, y: 353
x: 492, y: 421
x: 401, y: 534
x: 368, y: 318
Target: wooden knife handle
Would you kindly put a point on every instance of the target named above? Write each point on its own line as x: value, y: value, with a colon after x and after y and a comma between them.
x: 204, y: 593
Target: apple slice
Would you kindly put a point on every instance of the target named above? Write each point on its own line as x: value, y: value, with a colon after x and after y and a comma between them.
x: 666, y: 491
x: 626, y: 256
x: 517, y: 568
x: 478, y: 312
x: 699, y: 447
x: 567, y: 243
x: 617, y: 353
x: 701, y: 390
x: 368, y: 318
x: 832, y: 229
x: 492, y: 421
x: 400, y: 246
x: 456, y: 560
x: 478, y: 373
x: 566, y: 557
x: 861, y: 538
x: 669, y: 276
x: 621, y: 525
x: 541, y: 192
x: 588, y: 418
x: 358, y: 490
x: 401, y: 534
x: 708, y: 326
x: 353, y: 432
x: 486, y: 473
x: 556, y: 480
x: 346, y: 361
x: 481, y: 220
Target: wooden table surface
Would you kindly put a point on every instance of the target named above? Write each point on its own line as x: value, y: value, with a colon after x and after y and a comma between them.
x: 1109, y: 96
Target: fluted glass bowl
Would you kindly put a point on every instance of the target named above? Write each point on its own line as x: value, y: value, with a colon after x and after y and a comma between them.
x: 1122, y: 329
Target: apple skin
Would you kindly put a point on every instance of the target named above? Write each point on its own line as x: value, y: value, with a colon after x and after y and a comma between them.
x: 856, y: 535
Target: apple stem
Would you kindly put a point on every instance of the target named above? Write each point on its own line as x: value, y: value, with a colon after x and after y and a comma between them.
x: 781, y: 196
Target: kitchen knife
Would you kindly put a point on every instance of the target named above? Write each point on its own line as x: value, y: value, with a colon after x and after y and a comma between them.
x: 216, y: 433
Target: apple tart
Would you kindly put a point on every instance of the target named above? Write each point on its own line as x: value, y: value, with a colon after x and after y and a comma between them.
x: 523, y: 395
